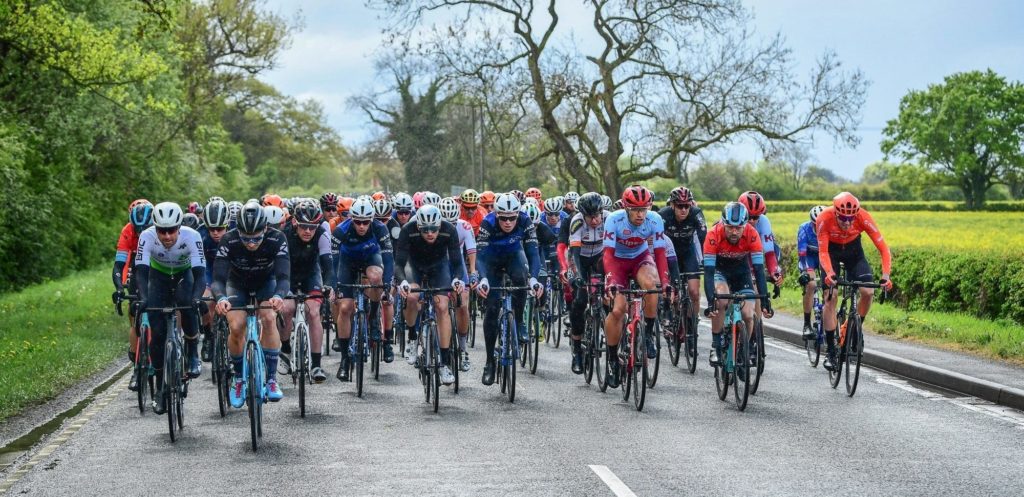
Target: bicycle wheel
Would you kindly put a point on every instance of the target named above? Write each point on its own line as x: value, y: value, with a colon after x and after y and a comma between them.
x: 472, y: 319
x: 601, y: 348
x: 253, y: 397
x: 743, y: 365
x: 455, y: 353
x: 625, y: 369
x: 170, y: 372
x: 757, y: 344
x: 557, y: 311
x: 854, y: 353
x: 672, y: 335
x: 508, y: 361
x: 651, y: 376
x: 813, y: 348
x: 223, y: 367
x: 327, y: 321
x: 722, y: 375
x: 524, y: 349
x: 588, y: 350
x: 641, y: 375
x: 302, y: 349
x: 534, y: 327
x: 691, y: 342
x: 141, y: 371
x: 435, y: 366
x: 360, y: 356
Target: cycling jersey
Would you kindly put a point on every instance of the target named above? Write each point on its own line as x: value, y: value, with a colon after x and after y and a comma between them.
x: 771, y: 250
x: 252, y: 269
x: 309, y: 259
x: 546, y: 240
x: 492, y: 242
x: 415, y: 251
x: 185, y: 254
x: 210, y: 252
x: 829, y: 233
x: 467, y: 239
x: 589, y: 241
x: 357, y: 251
x: 624, y: 241
x: 732, y: 260
x: 686, y: 234
x: 807, y: 246
x: 474, y: 217
x: 127, y: 242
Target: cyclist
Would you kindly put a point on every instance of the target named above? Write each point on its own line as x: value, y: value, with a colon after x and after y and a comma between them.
x: 507, y: 245
x: 364, y: 248
x: 275, y: 216
x: 344, y: 206
x: 472, y: 212
x: 252, y: 258
x: 731, y: 246
x: 686, y: 228
x: 140, y: 217
x: 403, y: 208
x: 384, y: 213
x: 535, y: 194
x: 170, y: 269
x: 756, y: 209
x: 487, y: 201
x: 807, y: 249
x: 467, y: 246
x: 586, y: 248
x: 215, y: 218
x: 329, y: 206
x: 630, y: 237
x: 428, y: 253
x: 309, y: 246
x: 569, y: 203
x: 839, y: 230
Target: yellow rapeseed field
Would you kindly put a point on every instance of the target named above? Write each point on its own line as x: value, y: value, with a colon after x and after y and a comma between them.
x: 956, y: 231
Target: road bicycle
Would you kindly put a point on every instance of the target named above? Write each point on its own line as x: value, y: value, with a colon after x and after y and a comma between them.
x: 813, y: 346
x: 850, y: 349
x: 553, y: 310
x: 735, y: 358
x: 363, y: 347
x: 302, y: 359
x: 142, y: 370
x: 506, y: 354
x: 531, y: 349
x: 634, y: 365
x: 681, y: 335
x: 593, y: 342
x: 428, y: 345
x: 254, y: 368
x: 175, y: 378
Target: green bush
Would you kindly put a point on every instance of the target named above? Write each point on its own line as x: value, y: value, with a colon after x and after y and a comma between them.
x: 875, y: 206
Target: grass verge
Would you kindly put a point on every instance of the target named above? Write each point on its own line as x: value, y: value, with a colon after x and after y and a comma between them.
x: 53, y: 335
x: 999, y: 339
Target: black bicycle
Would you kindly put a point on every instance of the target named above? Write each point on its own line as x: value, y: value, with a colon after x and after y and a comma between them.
x: 681, y: 335
x: 593, y: 342
x: 175, y: 378
x: 142, y: 371
x: 850, y: 346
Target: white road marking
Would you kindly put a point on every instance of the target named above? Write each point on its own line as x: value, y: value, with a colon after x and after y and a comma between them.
x: 614, y: 483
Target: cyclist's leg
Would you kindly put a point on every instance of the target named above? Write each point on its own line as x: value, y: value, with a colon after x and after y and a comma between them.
x: 347, y: 275
x: 859, y: 270
x: 270, y: 339
x: 518, y: 274
x: 647, y: 278
x: 375, y: 276
x: 618, y: 276
x: 189, y: 321
x: 690, y: 265
x: 158, y: 295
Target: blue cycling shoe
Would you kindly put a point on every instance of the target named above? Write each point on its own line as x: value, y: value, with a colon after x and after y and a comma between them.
x: 237, y: 392
x: 274, y: 393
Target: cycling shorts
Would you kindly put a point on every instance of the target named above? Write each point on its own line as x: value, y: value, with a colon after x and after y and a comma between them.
x: 350, y: 272
x: 623, y: 270
x: 851, y: 255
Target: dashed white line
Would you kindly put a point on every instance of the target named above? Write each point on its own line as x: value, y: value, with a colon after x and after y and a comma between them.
x: 614, y: 483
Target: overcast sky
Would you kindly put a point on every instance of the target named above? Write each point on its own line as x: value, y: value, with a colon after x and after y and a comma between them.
x: 900, y: 45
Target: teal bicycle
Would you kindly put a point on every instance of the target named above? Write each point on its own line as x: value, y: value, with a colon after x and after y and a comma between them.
x: 738, y: 356
x: 254, y: 369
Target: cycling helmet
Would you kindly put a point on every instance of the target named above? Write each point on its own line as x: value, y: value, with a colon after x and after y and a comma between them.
x: 487, y: 198
x: 590, y: 204
x: 606, y: 202
x: 345, y: 204
x: 190, y: 220
x: 195, y: 208
x: 553, y: 204
x: 572, y: 197
x: 846, y: 204
x: 506, y: 203
x: 328, y: 200
x: 470, y: 197
x: 428, y: 217
x: 417, y: 200
x: 137, y: 202
x: 141, y: 216
x: 532, y: 201
x: 382, y: 208
x: 431, y: 198
x: 534, y: 193
x: 308, y: 212
x: 216, y: 214
x: 734, y: 214
x: 234, y: 207
x: 272, y: 199
x: 275, y: 214
x: 617, y: 205
x: 378, y: 195
x: 681, y: 194
x: 167, y: 215
x: 637, y: 196
x: 815, y: 211
x: 754, y: 203
x: 449, y: 209
x: 520, y: 196
x: 252, y: 219
x: 403, y: 202
x: 211, y: 199
x: 361, y: 209
x: 532, y: 211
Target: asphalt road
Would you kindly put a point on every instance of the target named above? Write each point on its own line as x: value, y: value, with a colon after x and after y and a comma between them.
x: 560, y: 437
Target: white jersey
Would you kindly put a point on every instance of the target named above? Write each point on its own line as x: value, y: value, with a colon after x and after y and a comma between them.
x: 185, y: 254
x: 467, y: 242
x: 589, y: 240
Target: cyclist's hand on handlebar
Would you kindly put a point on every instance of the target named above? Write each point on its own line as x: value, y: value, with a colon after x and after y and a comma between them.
x: 804, y: 279
x: 457, y: 285
x: 276, y: 302
x: 223, y: 306
x: 710, y: 311
x: 199, y: 304
x: 483, y: 288
x: 830, y: 279
x: 538, y: 289
x: 766, y: 308
x: 474, y: 278
x: 886, y: 282
x: 403, y: 289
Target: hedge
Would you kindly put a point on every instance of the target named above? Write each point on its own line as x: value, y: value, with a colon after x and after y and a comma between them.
x: 984, y: 285
x: 874, y: 206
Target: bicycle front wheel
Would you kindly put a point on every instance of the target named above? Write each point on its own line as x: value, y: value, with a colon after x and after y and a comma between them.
x: 302, y: 353
x: 651, y: 378
x: 221, y: 365
x: 641, y: 375
x: 600, y: 349
x: 757, y: 350
x: 743, y: 364
x: 534, y: 326
x: 171, y: 371
x: 854, y: 353
x: 254, y: 387
x: 360, y: 356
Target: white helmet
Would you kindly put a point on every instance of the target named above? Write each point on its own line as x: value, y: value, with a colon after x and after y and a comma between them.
x: 167, y: 215
x: 553, y: 204
x: 815, y: 211
x: 449, y: 209
x: 531, y: 210
x: 403, y: 201
x: 532, y: 201
x: 431, y: 198
x: 382, y: 208
x: 361, y: 209
x: 606, y: 202
x: 428, y: 216
x: 571, y: 197
x: 234, y: 207
x: 274, y: 214
x: 506, y: 203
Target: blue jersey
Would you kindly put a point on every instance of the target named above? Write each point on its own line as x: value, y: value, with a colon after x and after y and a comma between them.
x: 210, y: 251
x: 807, y: 246
x: 629, y: 241
x: 351, y: 246
x: 492, y: 242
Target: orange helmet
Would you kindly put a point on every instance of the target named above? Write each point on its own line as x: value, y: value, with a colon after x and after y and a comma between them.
x: 846, y: 204
x: 378, y: 195
x: 345, y: 204
x: 136, y: 202
x: 272, y: 199
x: 487, y: 198
x: 534, y: 193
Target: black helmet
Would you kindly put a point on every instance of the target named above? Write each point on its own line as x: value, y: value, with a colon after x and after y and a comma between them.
x: 216, y: 214
x: 252, y: 219
x: 308, y: 212
x: 589, y: 204
x: 190, y: 220
x: 328, y: 200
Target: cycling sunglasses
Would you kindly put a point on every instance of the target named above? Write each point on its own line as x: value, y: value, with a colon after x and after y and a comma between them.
x: 361, y: 222
x: 251, y: 240
x: 429, y: 229
x: 508, y: 219
x: 216, y: 228
x: 846, y: 219
x: 308, y: 227
x: 167, y: 231
x: 403, y: 212
x: 680, y: 205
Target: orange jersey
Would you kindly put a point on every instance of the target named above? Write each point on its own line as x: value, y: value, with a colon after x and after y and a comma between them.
x: 335, y: 222
x: 830, y: 232
x: 474, y: 219
x: 127, y: 242
x: 718, y: 251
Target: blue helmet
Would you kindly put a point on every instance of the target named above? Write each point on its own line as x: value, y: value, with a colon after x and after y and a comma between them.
x: 141, y: 216
x: 734, y: 214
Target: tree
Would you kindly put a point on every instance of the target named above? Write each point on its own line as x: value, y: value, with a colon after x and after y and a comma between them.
x: 666, y: 78
x: 970, y: 129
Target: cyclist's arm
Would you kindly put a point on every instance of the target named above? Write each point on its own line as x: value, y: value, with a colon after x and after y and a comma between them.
x: 801, y: 246
x: 868, y: 225
x: 530, y: 246
x: 141, y: 275
x: 757, y: 257
x: 576, y: 262
x: 483, y: 241
x: 325, y: 260
x: 709, y: 273
x: 118, y: 274
x: 702, y: 225
x: 387, y: 254
x: 401, y: 255
x: 221, y: 267
x: 824, y: 261
x: 455, y: 263
x: 282, y: 270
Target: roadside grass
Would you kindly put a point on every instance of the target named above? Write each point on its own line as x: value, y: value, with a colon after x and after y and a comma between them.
x: 54, y: 334
x: 1000, y: 339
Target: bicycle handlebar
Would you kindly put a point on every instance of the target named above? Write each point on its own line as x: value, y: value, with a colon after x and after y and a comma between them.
x: 168, y: 310
x: 364, y: 287
x: 509, y: 288
x: 739, y: 296
x: 431, y: 290
x: 121, y: 298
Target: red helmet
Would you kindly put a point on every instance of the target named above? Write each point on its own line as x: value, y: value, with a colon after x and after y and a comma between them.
x: 754, y: 203
x: 681, y: 194
x: 534, y: 193
x: 637, y: 196
x: 846, y: 204
x: 378, y: 195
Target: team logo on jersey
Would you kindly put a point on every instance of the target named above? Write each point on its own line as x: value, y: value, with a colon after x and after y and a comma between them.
x: 632, y: 242
x: 627, y: 232
x: 609, y: 236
